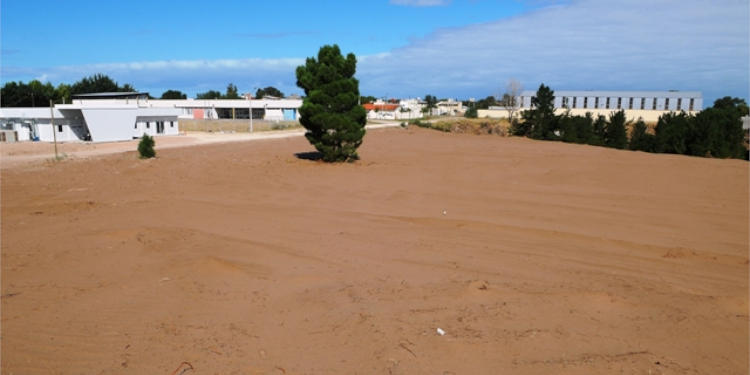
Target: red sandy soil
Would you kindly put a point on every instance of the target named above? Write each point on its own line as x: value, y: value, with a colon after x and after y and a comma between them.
x: 533, y: 257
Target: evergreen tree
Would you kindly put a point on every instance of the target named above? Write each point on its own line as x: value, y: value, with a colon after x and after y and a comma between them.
x: 617, y: 136
x: 146, y: 147
x: 541, y: 118
x: 231, y: 92
x: 334, y: 121
x: 640, y: 139
x: 673, y: 131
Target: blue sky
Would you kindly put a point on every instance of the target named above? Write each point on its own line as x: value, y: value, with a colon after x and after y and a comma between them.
x: 458, y: 48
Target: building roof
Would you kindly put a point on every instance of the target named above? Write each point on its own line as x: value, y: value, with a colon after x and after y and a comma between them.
x: 380, y: 107
x: 627, y: 94
x: 111, y: 95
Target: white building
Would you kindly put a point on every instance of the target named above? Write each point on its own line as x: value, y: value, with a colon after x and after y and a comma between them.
x: 98, y: 122
x: 105, y: 117
x: 646, y: 105
x: 450, y: 107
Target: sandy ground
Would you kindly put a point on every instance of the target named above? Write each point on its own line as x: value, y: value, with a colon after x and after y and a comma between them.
x: 24, y: 153
x: 240, y: 258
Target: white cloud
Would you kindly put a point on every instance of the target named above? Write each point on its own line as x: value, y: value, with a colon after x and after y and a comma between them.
x: 586, y: 44
x: 420, y: 3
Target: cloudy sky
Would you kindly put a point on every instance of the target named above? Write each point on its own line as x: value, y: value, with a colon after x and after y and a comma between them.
x: 448, y: 48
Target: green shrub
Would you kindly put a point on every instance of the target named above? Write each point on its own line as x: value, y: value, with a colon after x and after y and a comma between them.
x: 640, y: 139
x: 146, y: 147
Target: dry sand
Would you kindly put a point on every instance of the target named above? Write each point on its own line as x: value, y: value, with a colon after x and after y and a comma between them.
x: 533, y: 257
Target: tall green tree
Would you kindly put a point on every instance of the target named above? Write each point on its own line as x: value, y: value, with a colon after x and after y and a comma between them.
x: 334, y: 121
x: 540, y: 119
x: 268, y: 91
x: 430, y: 104
x: 232, y: 92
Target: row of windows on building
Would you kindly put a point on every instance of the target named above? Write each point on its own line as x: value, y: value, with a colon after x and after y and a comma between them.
x: 631, y: 103
x: 159, y: 125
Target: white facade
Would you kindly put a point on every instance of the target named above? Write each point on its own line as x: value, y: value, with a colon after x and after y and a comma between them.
x: 95, y: 120
x: 646, y: 105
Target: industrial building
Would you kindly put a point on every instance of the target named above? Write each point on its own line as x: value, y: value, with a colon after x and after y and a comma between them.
x: 646, y: 105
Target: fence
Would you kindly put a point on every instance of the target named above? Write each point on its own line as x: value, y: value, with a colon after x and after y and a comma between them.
x: 234, y: 126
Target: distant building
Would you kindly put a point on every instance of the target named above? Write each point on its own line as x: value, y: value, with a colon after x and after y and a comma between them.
x: 646, y: 105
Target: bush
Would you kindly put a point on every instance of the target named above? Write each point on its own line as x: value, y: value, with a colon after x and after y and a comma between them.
x: 640, y: 139
x: 146, y: 147
x: 471, y: 112
x: 673, y: 133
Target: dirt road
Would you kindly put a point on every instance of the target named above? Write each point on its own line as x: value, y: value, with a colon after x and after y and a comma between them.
x: 240, y: 258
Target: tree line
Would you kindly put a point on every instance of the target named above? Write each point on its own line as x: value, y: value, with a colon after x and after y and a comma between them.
x: 713, y: 132
x: 38, y: 94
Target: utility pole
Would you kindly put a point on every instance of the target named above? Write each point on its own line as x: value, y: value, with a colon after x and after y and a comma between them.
x: 251, y: 112
x: 52, y: 123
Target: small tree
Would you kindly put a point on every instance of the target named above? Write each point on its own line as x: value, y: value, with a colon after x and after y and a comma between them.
x: 431, y: 102
x: 334, y: 121
x: 617, y: 136
x: 146, y: 147
x: 471, y: 112
x: 511, y: 101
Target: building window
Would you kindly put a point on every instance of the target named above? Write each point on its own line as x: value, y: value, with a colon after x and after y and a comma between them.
x: 596, y: 103
x: 59, y: 128
x: 679, y: 104
x: 643, y: 103
x: 691, y: 104
x: 565, y: 102
x: 575, y: 99
x: 148, y: 125
x: 666, y: 104
x: 585, y: 102
x: 607, y: 102
x: 654, y: 105
x: 619, y: 103
x: 630, y: 103
x: 171, y: 124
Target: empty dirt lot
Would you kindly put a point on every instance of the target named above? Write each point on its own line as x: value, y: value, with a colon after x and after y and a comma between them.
x: 533, y: 258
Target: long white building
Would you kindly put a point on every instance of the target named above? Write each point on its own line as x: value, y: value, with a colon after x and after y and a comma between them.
x: 646, y: 105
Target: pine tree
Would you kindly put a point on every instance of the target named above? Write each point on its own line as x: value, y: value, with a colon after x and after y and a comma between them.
x: 146, y: 147
x: 335, y: 122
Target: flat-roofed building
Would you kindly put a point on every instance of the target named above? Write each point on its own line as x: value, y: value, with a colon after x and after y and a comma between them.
x: 646, y: 105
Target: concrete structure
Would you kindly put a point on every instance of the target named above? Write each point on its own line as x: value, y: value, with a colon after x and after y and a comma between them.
x: 450, y: 107
x: 406, y: 109
x: 103, y: 121
x: 646, y: 105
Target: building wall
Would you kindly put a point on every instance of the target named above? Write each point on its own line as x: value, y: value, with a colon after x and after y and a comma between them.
x: 631, y: 115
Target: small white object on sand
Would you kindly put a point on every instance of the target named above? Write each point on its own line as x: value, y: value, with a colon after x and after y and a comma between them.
x: 440, y: 332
